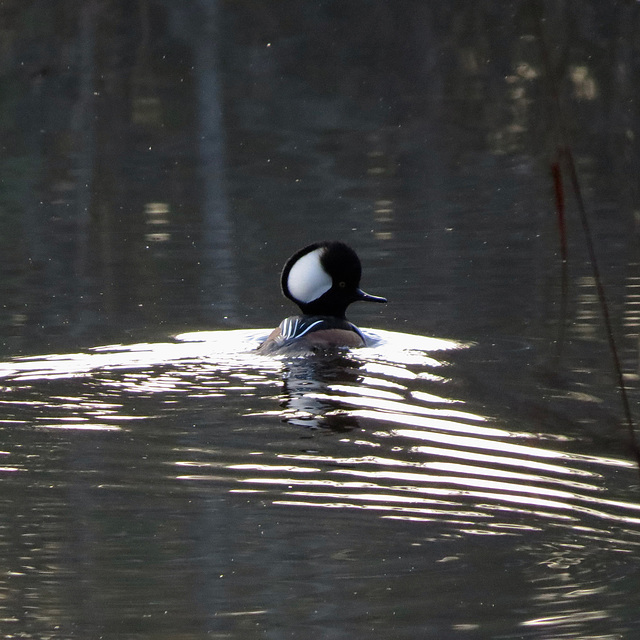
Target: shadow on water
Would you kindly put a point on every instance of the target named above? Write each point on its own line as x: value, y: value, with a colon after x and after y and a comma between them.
x: 384, y: 434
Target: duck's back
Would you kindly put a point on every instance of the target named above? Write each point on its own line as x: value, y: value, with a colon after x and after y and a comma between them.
x: 310, y: 333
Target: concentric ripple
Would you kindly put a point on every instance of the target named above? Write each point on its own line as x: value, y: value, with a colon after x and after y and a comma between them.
x: 380, y: 428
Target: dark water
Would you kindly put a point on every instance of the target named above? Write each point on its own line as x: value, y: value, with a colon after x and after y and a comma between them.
x: 467, y: 477
x: 193, y: 487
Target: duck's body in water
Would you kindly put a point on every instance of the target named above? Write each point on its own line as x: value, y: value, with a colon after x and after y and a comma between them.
x: 323, y: 279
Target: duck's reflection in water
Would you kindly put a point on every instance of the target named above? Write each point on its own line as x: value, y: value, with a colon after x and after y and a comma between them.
x: 409, y: 449
x: 309, y: 380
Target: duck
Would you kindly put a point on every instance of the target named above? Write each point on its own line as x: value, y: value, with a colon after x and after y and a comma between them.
x: 323, y: 279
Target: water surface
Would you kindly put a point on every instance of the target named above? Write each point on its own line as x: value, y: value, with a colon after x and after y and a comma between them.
x: 469, y: 476
x: 195, y: 486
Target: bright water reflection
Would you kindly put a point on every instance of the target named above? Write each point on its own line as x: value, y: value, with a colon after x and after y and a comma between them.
x: 177, y: 456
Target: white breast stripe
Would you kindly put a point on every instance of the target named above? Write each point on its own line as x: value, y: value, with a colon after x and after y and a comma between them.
x: 295, y: 328
x: 288, y: 328
x: 313, y: 324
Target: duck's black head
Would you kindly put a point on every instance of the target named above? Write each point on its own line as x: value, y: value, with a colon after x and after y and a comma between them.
x: 324, y: 279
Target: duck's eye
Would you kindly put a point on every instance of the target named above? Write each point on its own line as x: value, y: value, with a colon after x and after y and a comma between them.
x: 342, y: 285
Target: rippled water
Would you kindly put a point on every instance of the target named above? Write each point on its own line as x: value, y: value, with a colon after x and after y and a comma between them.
x: 183, y: 488
x: 161, y: 160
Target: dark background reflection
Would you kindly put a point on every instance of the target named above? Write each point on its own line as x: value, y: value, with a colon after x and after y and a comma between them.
x: 161, y: 160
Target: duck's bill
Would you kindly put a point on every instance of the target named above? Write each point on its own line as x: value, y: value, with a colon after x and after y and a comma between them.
x: 367, y: 297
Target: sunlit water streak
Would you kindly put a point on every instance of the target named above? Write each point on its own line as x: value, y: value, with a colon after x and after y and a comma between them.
x: 380, y: 433
x: 392, y: 398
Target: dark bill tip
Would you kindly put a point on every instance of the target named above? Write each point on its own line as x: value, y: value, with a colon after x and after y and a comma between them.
x: 367, y: 297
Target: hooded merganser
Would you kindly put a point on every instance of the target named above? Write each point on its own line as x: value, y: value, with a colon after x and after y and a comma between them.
x: 323, y: 279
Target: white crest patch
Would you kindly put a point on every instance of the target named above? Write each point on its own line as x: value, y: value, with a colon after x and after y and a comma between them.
x: 307, y: 279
